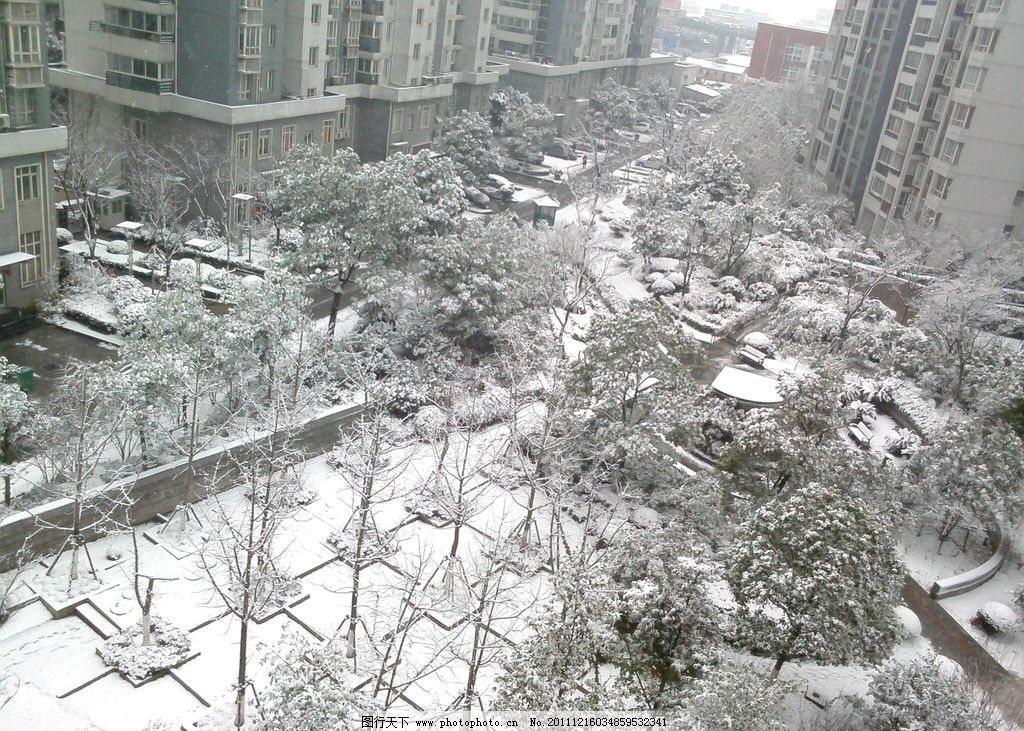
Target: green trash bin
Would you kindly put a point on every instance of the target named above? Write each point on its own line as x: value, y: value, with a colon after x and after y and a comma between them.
x: 26, y: 379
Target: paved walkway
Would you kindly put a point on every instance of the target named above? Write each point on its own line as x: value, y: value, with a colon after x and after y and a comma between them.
x: 1006, y: 690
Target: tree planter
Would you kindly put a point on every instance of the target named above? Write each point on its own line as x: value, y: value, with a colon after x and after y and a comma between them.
x: 169, y: 647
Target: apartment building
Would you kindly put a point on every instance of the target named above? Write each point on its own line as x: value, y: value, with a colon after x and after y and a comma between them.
x: 862, y: 58
x: 942, y: 141
x: 788, y: 55
x: 558, y: 50
x: 261, y: 76
x: 28, y: 242
x: 952, y: 147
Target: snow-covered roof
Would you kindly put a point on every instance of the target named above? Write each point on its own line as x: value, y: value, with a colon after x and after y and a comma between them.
x: 724, y: 67
x: 129, y: 225
x: 747, y: 386
x: 17, y: 257
x: 703, y: 90
x: 547, y: 201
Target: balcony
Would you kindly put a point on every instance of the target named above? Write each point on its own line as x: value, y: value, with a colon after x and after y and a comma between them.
x: 25, y: 77
x: 98, y: 26
x: 137, y: 83
x: 369, y: 45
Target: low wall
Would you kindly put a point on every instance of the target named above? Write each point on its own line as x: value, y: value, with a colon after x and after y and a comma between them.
x: 42, y: 530
x: 972, y: 579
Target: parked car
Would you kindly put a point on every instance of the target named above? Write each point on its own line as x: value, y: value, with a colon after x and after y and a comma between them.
x: 533, y: 158
x: 475, y: 196
x: 561, y: 149
x: 498, y: 187
x: 524, y: 168
x: 589, y: 147
x: 652, y: 163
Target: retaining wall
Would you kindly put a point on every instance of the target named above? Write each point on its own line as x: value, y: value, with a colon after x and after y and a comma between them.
x: 42, y: 530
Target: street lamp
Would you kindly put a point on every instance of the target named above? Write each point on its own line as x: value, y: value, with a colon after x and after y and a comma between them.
x: 246, y: 200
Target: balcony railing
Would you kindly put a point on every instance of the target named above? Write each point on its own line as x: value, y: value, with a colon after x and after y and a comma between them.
x: 363, y: 77
x: 370, y: 45
x: 120, y: 30
x: 137, y: 83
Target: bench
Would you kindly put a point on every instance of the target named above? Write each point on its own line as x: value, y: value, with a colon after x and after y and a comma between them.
x: 752, y: 355
x: 861, y: 434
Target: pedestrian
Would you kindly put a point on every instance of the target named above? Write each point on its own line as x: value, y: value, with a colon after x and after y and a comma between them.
x: 584, y: 161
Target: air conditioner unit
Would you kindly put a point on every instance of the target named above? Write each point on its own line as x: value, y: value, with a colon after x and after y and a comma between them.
x: 5, y: 121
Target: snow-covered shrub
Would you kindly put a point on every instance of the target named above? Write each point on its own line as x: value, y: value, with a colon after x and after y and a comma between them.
x: 902, y: 442
x: 127, y: 290
x: 997, y: 617
x: 64, y: 237
x: 653, y: 277
x: 711, y: 301
x: 310, y: 687
x: 861, y: 410
x: 662, y: 288
x: 429, y: 422
x: 483, y: 408
x: 118, y: 248
x: 662, y: 264
x: 731, y: 285
x: 376, y: 544
x: 183, y: 270
x: 806, y: 320
x: 214, y: 277
x: 677, y: 278
x: 920, y: 694
x: 881, y: 391
x: 910, y: 624
x: 761, y: 291
x: 169, y: 646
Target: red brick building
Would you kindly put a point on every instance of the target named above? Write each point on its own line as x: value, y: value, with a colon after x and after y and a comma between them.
x: 787, y: 54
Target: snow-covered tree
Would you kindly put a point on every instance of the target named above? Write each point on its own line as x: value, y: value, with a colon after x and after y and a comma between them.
x: 733, y: 697
x: 925, y: 693
x: 522, y: 126
x: 481, y: 277
x: 815, y: 575
x: 14, y: 408
x: 310, y: 687
x: 85, y: 164
x: 557, y: 667
x: 969, y: 475
x: 466, y: 138
x: 371, y: 461
x: 635, y: 371
x: 667, y: 629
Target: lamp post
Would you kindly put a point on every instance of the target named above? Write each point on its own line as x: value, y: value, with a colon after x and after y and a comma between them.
x: 246, y: 200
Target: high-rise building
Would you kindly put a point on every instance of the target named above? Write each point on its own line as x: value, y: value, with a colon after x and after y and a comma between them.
x: 558, y: 50
x: 862, y: 58
x: 787, y: 54
x: 374, y: 75
x: 28, y: 241
x: 942, y: 140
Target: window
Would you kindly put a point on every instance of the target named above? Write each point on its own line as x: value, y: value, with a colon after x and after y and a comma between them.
x: 419, y: 16
x: 487, y: 14
x: 140, y: 128
x: 343, y: 123
x: 139, y: 67
x: 890, y: 158
x: 271, y: 35
x: 430, y: 31
x: 243, y: 146
x: 416, y: 52
x: 26, y: 183
x: 483, y: 43
x: 396, y: 121
x: 991, y: 6
x: 23, y: 111
x: 962, y: 115
x: 425, y: 117
x: 1018, y: 199
x: 308, y: 138
x: 985, y: 40
x: 327, y: 132
x: 287, y: 138
x: 24, y: 44
x: 314, y: 15
x: 247, y: 87
x: 410, y: 121
x: 951, y: 150
x: 314, y: 55
x: 940, y: 186
x: 249, y: 40
x: 263, y: 142
x: 31, y: 243
x: 973, y: 78
x: 912, y: 61
x: 268, y: 80
x: 894, y: 126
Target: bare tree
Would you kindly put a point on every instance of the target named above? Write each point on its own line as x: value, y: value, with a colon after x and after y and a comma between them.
x: 86, y: 164
x: 372, y: 460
